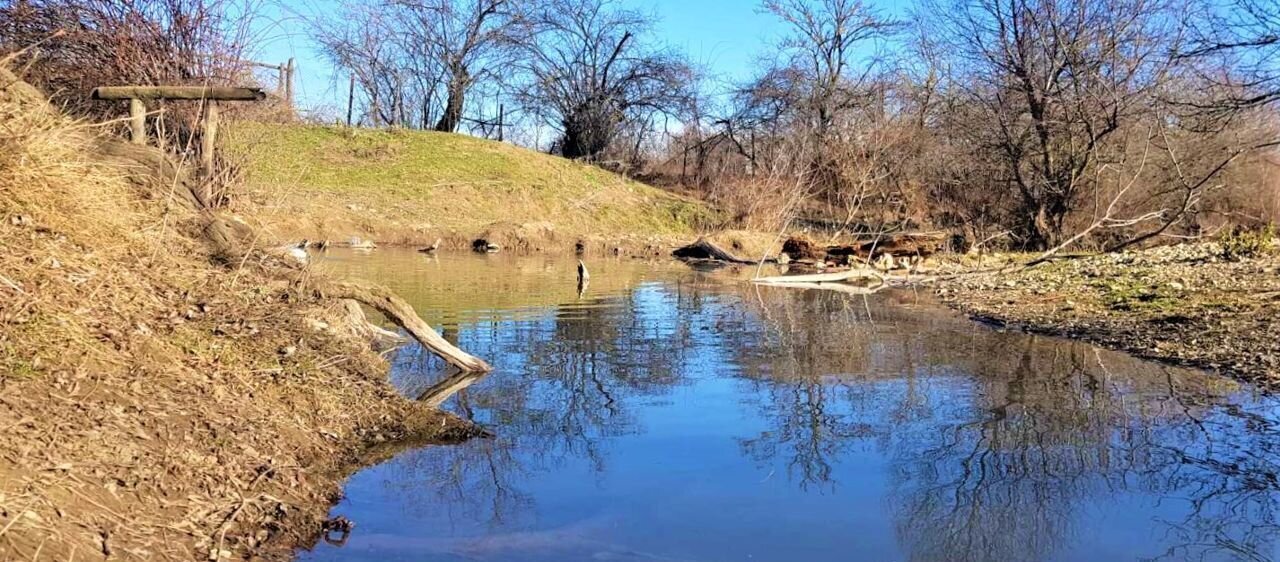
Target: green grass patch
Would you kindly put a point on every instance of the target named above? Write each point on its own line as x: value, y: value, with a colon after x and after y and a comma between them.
x: 1125, y: 294
x: 452, y: 180
x: 1245, y: 243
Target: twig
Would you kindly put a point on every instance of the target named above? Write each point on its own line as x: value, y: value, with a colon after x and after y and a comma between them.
x: 17, y: 515
x: 226, y: 524
x: 12, y: 285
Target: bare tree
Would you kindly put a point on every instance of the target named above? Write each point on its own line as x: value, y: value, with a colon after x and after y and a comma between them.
x: 415, y: 59
x: 1244, y: 37
x: 356, y: 41
x: 463, y: 38
x: 825, y: 44
x: 588, y: 71
x: 1055, y: 81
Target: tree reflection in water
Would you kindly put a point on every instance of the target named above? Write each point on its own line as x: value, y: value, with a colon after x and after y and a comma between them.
x: 1023, y: 433
x: 998, y: 446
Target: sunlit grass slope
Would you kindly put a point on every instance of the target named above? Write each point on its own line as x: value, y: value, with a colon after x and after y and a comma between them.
x: 413, y: 186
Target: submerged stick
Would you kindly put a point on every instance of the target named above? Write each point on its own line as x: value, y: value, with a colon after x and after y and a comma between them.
x: 584, y: 279
x: 399, y: 311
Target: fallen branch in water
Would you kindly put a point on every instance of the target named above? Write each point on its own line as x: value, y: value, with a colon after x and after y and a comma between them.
x: 705, y: 249
x: 838, y: 281
x: 380, y: 339
x: 438, y: 393
x: 836, y: 277
x: 837, y: 287
x: 399, y: 311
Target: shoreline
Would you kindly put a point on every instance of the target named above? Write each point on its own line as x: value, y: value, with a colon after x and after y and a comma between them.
x: 169, y: 389
x: 1179, y: 305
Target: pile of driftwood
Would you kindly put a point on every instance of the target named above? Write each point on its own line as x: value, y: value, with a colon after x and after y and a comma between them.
x: 868, y: 261
x: 886, y: 252
x: 889, y: 250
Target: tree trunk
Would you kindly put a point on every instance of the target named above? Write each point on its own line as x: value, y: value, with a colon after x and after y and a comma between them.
x: 452, y: 116
x: 589, y: 130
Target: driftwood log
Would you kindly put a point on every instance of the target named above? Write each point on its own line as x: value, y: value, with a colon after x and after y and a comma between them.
x: 400, y: 312
x: 705, y: 249
x: 841, y: 281
x: 837, y: 287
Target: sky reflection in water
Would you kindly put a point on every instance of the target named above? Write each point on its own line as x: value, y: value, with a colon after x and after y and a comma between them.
x: 683, y: 416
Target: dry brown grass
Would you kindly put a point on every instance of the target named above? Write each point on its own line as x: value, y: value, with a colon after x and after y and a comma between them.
x: 154, y: 405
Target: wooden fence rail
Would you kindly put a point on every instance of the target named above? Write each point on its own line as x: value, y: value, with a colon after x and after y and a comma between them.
x: 210, y: 95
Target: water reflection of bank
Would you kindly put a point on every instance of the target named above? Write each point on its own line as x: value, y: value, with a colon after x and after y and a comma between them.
x: 997, y: 444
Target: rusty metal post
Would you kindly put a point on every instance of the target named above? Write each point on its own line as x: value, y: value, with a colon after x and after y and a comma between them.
x: 351, y: 99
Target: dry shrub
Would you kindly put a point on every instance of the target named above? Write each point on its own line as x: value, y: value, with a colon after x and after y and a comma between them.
x: 764, y: 204
x: 1241, y: 243
x: 68, y: 47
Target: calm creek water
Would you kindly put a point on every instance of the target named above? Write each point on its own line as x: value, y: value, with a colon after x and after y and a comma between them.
x: 670, y: 414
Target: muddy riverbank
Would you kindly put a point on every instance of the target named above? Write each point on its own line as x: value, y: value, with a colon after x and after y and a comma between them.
x: 1181, y: 304
x: 162, y: 398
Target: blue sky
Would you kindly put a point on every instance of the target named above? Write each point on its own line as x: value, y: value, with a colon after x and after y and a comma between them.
x: 723, y: 36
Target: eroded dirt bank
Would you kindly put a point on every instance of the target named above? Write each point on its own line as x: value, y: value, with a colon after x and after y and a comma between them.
x: 1183, y: 304
x: 161, y: 396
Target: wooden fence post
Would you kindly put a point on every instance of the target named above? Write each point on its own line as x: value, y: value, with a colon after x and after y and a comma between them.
x: 208, y: 95
x: 288, y: 84
x: 137, y: 121
x: 207, y: 137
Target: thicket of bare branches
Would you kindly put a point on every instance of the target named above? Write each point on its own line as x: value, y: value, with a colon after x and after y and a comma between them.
x: 69, y: 47
x: 1036, y: 124
x: 588, y: 70
x: 418, y: 63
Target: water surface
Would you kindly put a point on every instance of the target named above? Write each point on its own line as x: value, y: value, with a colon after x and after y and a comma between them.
x: 669, y: 414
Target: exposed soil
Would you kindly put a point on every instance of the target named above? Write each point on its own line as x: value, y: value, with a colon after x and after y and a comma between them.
x: 1181, y: 304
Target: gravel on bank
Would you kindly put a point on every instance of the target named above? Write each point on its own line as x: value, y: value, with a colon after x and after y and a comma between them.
x: 1182, y: 304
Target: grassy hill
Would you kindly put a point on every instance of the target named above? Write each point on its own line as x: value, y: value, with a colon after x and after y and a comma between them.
x: 410, y: 187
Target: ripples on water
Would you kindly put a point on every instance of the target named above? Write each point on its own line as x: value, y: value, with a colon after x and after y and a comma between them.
x: 669, y: 414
